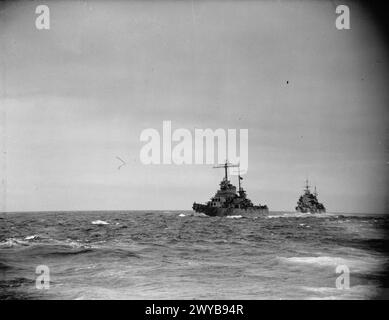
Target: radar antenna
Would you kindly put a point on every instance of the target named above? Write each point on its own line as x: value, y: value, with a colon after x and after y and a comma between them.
x: 225, y: 166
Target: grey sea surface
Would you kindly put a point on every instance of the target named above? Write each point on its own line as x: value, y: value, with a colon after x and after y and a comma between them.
x: 183, y: 255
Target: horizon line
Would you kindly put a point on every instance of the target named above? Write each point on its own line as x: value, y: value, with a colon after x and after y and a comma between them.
x: 170, y: 210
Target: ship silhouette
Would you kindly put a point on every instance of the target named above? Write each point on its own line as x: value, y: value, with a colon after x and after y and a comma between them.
x: 308, y: 202
x: 227, y: 201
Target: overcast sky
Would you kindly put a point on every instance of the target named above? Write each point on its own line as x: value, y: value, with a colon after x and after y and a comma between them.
x: 75, y: 97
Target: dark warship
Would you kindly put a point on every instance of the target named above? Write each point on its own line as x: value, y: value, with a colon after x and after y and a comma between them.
x: 228, y: 202
x: 308, y: 202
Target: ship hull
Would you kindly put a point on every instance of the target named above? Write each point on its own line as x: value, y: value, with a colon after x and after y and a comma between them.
x: 223, y: 212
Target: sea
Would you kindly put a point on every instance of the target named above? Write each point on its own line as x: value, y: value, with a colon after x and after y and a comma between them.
x: 184, y: 255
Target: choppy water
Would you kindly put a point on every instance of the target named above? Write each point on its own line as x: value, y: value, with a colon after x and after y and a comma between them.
x: 178, y: 255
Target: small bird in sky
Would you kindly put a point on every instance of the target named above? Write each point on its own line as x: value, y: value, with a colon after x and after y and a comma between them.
x: 123, y: 162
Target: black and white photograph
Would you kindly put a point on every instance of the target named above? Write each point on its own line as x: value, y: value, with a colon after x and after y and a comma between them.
x: 194, y: 150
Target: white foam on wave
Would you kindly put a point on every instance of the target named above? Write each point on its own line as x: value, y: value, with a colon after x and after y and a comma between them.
x: 78, y: 244
x: 321, y: 261
x: 303, y: 225
x: 181, y: 215
x: 11, y: 242
x: 100, y: 222
x: 31, y: 237
x: 296, y: 215
x: 235, y: 217
x: 199, y: 214
x: 354, y: 292
x: 361, y: 264
x: 73, y: 243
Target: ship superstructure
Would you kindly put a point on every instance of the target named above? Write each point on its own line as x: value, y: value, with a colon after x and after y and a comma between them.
x: 308, y: 201
x: 228, y: 200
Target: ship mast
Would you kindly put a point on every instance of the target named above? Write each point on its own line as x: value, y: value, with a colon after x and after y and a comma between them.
x: 307, y: 186
x: 239, y: 178
x: 225, y: 166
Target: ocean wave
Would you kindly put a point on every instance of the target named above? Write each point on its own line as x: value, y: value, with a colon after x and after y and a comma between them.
x: 199, y: 214
x: 72, y: 243
x: 100, y: 222
x: 360, y: 264
x: 67, y: 252
x: 16, y: 282
x: 160, y: 250
x: 192, y: 214
x: 31, y: 237
x: 332, y: 293
x: 235, y: 217
x: 4, y: 266
x: 304, y: 225
x: 297, y: 215
x: 320, y: 261
x: 63, y: 248
x: 12, y: 242
x: 37, y: 242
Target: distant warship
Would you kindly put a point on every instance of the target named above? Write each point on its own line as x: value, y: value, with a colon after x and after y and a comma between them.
x: 227, y: 202
x: 308, y: 202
